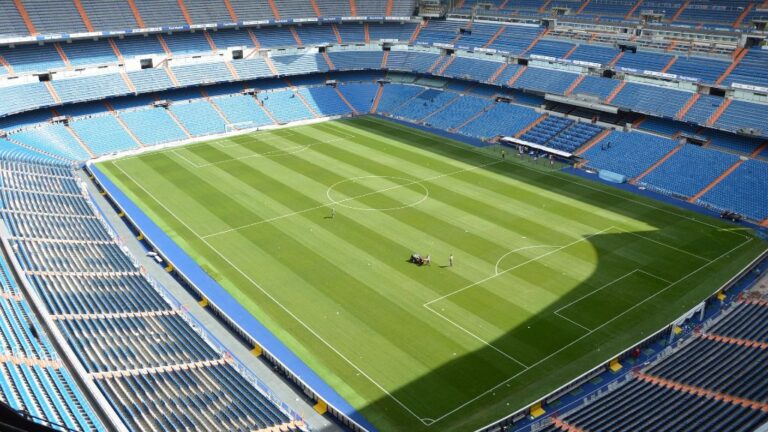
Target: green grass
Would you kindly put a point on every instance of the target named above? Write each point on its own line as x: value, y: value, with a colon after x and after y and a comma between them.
x: 553, y: 274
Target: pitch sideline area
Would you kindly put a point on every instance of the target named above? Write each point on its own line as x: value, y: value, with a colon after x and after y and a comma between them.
x: 553, y: 274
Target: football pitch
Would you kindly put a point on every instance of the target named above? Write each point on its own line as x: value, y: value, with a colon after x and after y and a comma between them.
x: 311, y: 228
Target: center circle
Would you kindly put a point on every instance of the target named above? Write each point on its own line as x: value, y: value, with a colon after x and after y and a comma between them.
x: 377, y: 185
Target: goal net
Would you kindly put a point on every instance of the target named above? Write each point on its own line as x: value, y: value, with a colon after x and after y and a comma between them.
x: 240, y: 126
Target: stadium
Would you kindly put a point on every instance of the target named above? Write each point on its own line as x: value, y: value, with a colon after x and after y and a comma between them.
x: 384, y: 215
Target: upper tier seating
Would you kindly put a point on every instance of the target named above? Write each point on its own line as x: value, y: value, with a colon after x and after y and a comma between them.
x: 24, y: 97
x: 32, y: 58
x: 60, y: 19
x: 751, y: 69
x: 740, y: 114
x: 109, y: 14
x: 546, y: 80
x: 160, y: 13
x: 470, y: 68
x: 651, y: 99
x: 334, y: 8
x: 299, y: 64
x: 251, y: 10
x: 10, y: 20
x: 207, y: 11
x: 82, y: 53
x: 349, y: 60
x: 89, y: 88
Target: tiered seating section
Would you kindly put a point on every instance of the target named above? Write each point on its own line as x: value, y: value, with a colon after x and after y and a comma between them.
x: 721, y: 14
x: 690, y: 390
x: 133, y: 341
x: 32, y: 377
x: 657, y: 100
x: 147, y: 379
x: 101, y: 15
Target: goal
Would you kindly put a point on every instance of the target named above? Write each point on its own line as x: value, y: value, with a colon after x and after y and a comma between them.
x: 234, y: 127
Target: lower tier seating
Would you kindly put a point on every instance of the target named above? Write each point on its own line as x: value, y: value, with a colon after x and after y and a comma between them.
x: 157, y: 371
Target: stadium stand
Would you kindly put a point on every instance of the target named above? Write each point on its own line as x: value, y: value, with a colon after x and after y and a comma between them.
x: 152, y: 126
x: 683, y: 391
x: 503, y: 119
x: 33, y: 377
x: 91, y: 284
x: 282, y: 104
x: 103, y: 135
x: 78, y: 269
x: 628, y: 153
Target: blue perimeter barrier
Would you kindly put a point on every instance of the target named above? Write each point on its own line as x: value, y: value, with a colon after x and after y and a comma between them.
x: 224, y: 301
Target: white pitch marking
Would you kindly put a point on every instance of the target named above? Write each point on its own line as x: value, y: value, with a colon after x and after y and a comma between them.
x: 342, y: 203
x: 573, y: 322
x: 664, y: 244
x: 477, y: 337
x: 496, y: 269
x: 183, y: 157
x: 515, y: 267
